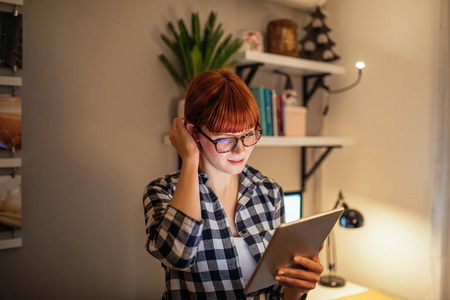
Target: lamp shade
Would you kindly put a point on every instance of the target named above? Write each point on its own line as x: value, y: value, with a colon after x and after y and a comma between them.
x: 351, y: 218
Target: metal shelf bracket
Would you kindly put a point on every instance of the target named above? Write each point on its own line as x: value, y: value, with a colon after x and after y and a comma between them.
x: 305, y: 175
x: 318, y: 83
x: 253, y: 68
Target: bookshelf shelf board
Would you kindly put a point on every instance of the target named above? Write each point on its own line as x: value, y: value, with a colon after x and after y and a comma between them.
x: 10, y: 162
x: 16, y: 2
x: 292, y: 65
x: 10, y: 243
x: 305, y: 6
x: 10, y: 80
x: 307, y: 141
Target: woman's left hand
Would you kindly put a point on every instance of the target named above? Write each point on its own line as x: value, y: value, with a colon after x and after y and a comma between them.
x: 298, y: 281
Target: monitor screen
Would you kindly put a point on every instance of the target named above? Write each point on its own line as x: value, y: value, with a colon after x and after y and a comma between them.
x: 293, y: 206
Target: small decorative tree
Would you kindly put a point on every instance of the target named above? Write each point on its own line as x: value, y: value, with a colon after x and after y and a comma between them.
x: 316, y: 44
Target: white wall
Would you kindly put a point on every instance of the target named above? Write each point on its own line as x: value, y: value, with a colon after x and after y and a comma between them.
x: 388, y: 174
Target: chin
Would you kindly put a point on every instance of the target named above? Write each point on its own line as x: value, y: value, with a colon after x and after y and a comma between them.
x: 235, y: 168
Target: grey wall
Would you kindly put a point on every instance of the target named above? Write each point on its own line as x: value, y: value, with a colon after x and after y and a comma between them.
x: 96, y: 103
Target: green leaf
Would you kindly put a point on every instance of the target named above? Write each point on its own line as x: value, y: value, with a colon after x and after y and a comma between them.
x: 195, y: 28
x: 209, y: 27
x: 172, y: 30
x: 184, y: 42
x: 174, y: 47
x: 212, y: 43
x: 224, y: 53
x: 196, y: 57
x: 172, y: 71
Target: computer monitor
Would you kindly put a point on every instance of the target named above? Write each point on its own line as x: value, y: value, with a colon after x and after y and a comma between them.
x: 293, y: 206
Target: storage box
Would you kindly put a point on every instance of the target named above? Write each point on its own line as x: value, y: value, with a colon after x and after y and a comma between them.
x: 295, y: 121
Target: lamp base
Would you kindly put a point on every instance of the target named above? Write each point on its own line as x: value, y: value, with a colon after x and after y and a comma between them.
x: 332, y: 281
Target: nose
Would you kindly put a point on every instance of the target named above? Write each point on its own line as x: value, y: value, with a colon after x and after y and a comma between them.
x: 239, y: 146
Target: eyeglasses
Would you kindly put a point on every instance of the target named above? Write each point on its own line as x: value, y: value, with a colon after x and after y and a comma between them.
x: 227, y: 144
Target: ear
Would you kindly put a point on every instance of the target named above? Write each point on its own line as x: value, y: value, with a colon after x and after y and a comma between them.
x: 192, y: 130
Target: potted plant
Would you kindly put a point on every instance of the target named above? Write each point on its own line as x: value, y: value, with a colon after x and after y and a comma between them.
x: 198, y: 51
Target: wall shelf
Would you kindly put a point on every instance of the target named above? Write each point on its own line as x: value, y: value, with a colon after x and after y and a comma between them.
x: 10, y: 162
x: 304, y: 5
x: 10, y: 80
x: 292, y: 65
x: 307, y: 141
x: 15, y: 2
x: 287, y: 141
x: 10, y: 243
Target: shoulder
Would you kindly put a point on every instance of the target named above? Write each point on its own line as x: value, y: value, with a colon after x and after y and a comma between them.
x: 166, y: 184
x: 257, y: 177
x: 260, y: 181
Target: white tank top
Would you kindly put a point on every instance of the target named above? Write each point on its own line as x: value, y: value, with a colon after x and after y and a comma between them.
x: 246, y: 260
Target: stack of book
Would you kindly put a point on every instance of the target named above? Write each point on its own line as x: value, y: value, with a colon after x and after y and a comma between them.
x: 274, y: 114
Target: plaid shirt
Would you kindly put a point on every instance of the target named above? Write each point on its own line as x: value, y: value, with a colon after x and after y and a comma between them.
x: 200, y: 258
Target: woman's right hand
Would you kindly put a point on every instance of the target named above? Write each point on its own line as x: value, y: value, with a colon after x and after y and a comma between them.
x: 182, y: 140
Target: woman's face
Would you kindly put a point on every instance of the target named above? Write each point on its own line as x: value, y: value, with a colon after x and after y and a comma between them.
x: 232, y: 162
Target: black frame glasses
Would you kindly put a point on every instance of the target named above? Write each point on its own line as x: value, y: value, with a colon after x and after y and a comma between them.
x: 242, y: 138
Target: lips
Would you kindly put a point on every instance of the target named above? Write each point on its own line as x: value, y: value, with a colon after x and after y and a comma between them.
x: 236, y: 162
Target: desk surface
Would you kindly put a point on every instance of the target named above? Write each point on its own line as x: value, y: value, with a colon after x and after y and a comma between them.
x: 350, y: 291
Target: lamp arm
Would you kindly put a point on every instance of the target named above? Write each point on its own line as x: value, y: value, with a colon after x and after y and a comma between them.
x: 331, y: 253
x: 347, y: 87
x: 339, y: 200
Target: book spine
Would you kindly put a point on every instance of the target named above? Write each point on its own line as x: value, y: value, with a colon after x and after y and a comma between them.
x: 280, y: 108
x: 275, y: 113
x: 269, y: 117
x: 258, y: 93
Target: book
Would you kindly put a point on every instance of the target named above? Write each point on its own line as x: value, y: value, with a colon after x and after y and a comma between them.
x: 280, y: 111
x: 259, y: 94
x: 275, y: 113
x: 269, y: 116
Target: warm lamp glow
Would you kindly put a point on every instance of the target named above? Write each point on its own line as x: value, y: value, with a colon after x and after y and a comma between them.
x: 360, y: 65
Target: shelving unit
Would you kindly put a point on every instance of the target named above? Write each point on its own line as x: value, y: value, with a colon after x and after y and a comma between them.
x: 13, y: 162
x: 311, y: 71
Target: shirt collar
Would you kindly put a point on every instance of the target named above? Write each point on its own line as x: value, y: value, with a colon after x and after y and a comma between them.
x: 248, y: 177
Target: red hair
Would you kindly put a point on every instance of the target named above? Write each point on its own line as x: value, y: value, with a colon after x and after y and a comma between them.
x: 222, y: 102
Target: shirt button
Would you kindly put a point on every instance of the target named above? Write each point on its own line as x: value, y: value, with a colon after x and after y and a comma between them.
x: 244, y: 231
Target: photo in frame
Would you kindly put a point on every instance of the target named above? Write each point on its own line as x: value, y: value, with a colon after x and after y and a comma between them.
x: 10, y: 202
x: 10, y: 122
x: 11, y: 40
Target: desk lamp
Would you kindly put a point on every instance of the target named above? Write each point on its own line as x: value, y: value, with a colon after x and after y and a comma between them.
x: 351, y: 218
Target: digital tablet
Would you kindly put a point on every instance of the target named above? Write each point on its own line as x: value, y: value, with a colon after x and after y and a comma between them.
x: 299, y: 238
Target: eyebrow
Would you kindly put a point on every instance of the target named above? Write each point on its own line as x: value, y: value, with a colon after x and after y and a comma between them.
x: 226, y: 135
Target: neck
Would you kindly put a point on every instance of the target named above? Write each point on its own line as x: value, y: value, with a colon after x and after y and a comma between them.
x: 222, y: 183
x: 219, y: 181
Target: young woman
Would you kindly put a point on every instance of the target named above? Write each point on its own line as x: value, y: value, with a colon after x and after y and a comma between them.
x: 210, y: 222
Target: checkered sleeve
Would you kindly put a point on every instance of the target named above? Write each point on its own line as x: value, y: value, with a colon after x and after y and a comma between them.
x: 172, y: 236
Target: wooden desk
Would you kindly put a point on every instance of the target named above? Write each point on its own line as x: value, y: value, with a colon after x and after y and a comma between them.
x: 350, y: 291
